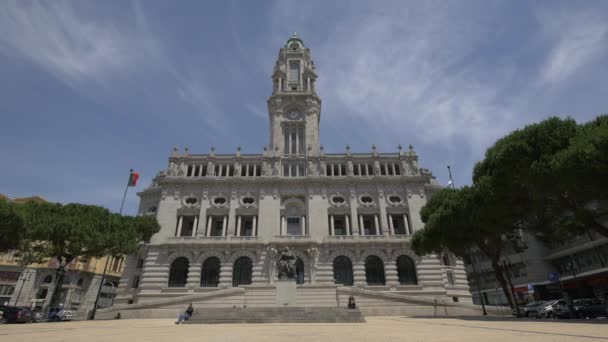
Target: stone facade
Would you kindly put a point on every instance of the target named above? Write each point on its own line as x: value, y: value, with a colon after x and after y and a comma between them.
x: 362, y: 207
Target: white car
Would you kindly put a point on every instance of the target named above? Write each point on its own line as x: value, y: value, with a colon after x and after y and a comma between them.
x: 59, y: 314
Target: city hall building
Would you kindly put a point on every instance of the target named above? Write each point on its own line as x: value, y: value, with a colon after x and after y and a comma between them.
x: 348, y: 217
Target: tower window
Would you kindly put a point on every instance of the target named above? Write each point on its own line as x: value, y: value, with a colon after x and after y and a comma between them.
x: 294, y: 71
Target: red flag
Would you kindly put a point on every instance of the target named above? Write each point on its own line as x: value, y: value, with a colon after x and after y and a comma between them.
x: 133, y: 177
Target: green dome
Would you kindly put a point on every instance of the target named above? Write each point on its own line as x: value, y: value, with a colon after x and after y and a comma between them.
x: 294, y: 38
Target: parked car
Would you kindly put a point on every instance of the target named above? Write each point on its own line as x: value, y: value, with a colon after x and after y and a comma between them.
x: 59, y: 314
x: 17, y: 314
x: 548, y: 309
x: 591, y: 307
x: 38, y: 316
x: 528, y: 310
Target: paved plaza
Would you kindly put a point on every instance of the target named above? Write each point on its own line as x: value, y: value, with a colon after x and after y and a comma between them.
x: 376, y: 329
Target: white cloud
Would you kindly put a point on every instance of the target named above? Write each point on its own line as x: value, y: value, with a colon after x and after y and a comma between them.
x: 578, y: 38
x: 72, y: 47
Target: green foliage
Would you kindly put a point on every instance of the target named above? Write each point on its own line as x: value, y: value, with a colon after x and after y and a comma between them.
x: 69, y: 231
x: 11, y: 226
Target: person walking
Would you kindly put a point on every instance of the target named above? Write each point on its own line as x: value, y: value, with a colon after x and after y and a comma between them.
x: 186, y: 315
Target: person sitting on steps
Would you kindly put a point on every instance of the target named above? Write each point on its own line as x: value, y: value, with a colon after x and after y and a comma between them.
x: 351, y: 302
x: 186, y: 315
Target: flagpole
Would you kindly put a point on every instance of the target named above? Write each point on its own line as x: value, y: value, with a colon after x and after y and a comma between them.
x: 105, y: 268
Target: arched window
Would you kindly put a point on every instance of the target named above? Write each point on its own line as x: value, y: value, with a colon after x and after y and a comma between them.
x: 406, y: 270
x: 178, y: 274
x: 299, y: 271
x: 374, y: 271
x: 210, y: 274
x: 343, y: 271
x: 241, y: 274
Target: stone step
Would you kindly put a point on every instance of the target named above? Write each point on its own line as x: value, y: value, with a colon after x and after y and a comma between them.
x: 276, y: 315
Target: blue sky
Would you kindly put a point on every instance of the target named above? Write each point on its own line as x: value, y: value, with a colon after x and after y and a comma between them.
x: 91, y: 89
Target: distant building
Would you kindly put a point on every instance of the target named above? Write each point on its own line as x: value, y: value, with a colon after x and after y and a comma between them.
x: 31, y: 285
x: 582, y: 265
x: 348, y: 217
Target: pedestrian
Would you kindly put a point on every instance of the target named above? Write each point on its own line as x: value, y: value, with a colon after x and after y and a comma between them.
x: 186, y: 315
x: 351, y: 302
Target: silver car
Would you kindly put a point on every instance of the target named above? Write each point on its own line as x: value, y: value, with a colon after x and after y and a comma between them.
x: 548, y: 309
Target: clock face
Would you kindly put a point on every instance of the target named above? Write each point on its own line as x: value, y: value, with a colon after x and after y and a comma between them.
x: 294, y: 115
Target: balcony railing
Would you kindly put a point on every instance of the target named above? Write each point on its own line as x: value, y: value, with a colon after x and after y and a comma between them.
x: 292, y: 237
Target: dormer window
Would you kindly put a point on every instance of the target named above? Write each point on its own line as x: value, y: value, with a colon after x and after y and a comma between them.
x: 294, y: 71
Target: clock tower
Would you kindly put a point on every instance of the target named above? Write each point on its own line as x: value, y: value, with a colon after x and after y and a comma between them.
x: 294, y: 108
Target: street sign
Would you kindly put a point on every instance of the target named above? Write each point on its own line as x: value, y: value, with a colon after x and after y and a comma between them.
x: 530, y: 288
x: 553, y: 277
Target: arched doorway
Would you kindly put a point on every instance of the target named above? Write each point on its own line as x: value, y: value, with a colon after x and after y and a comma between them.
x: 241, y: 274
x: 406, y: 270
x: 178, y: 274
x: 210, y: 273
x: 374, y: 271
x: 343, y: 271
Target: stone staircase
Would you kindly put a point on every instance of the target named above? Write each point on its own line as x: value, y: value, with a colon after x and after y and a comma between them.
x: 277, y: 315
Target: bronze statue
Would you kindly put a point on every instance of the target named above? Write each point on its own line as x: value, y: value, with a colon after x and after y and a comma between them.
x: 286, y: 265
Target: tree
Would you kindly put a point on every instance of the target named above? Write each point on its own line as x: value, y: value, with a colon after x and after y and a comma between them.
x: 581, y: 195
x: 11, y: 226
x: 465, y: 219
x: 66, y: 232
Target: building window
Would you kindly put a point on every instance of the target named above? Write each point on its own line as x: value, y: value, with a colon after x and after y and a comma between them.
x: 406, y: 270
x: 117, y: 264
x: 343, y: 271
x: 135, y: 282
x: 251, y: 170
x: 294, y: 71
x: 178, y: 273
x: 140, y: 263
x: 210, y: 273
x: 398, y: 224
x: 48, y: 279
x: 335, y: 169
x: 299, y: 271
x: 339, y: 225
x: 369, y: 225
x: 293, y: 226
x: 217, y: 226
x: 187, y: 226
x: 374, y: 271
x: 293, y: 170
x: 243, y: 269
x: 247, y: 226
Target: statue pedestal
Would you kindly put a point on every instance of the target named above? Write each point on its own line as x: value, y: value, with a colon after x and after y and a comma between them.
x: 286, y: 292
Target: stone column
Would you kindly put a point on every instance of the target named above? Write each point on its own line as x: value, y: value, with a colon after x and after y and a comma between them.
x: 195, y: 227
x: 359, y: 274
x: 283, y: 225
x: 377, y: 226
x: 255, y: 226
x: 361, y: 227
x: 407, y: 225
x: 226, y: 274
x: 209, y: 221
x: 331, y: 225
x: 303, y: 225
x: 179, y: 225
x: 391, y: 227
x: 224, y: 224
x: 194, y: 275
x: 238, y: 225
x: 347, y: 220
x: 390, y: 269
